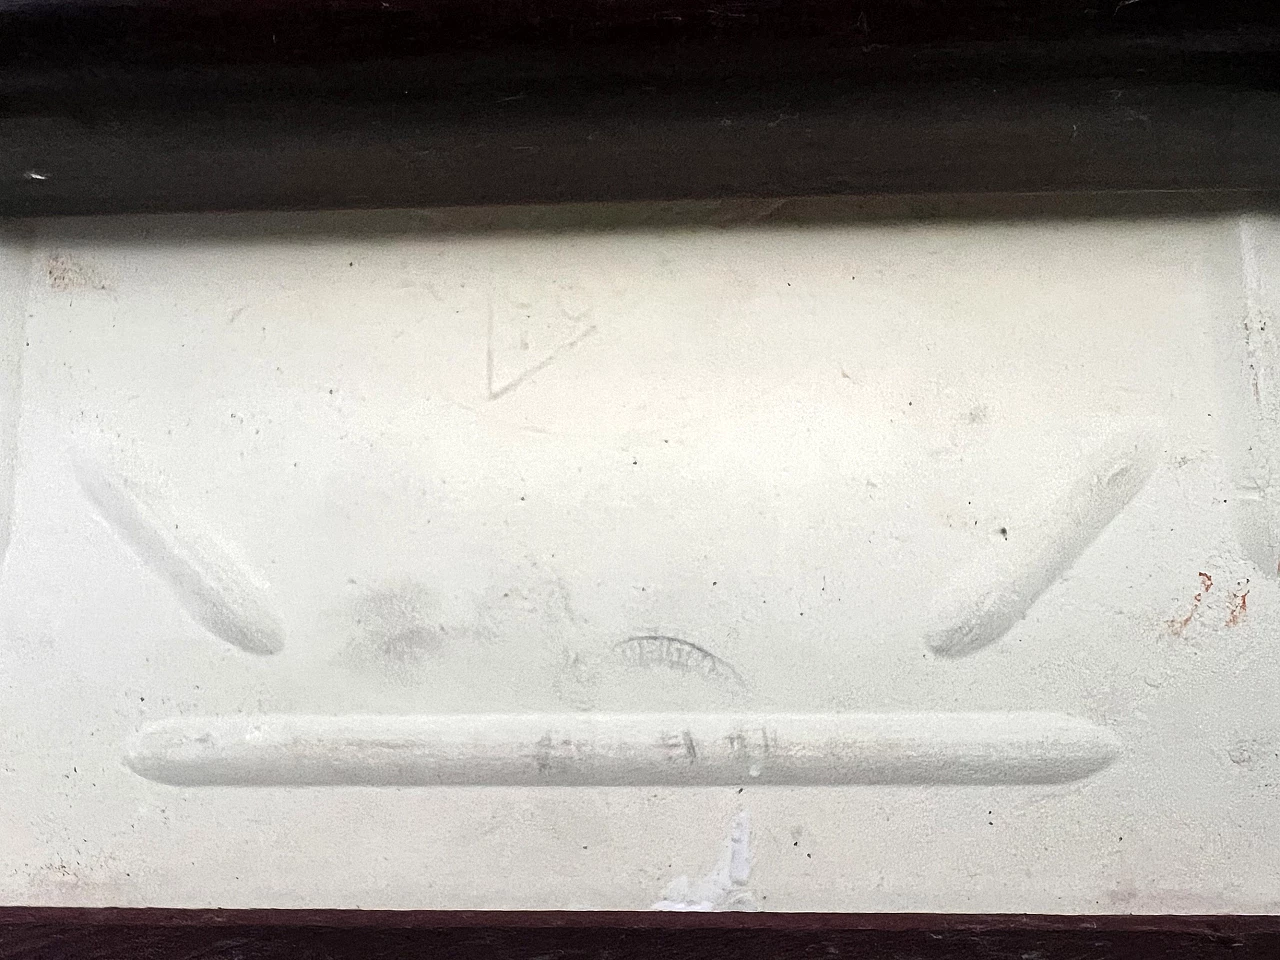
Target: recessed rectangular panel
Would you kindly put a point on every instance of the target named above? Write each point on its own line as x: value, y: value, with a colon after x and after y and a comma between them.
x: 737, y: 557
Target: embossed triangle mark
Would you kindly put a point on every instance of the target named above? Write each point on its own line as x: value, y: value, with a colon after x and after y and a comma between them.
x: 528, y: 334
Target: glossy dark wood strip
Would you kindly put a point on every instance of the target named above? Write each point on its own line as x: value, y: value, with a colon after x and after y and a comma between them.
x: 310, y: 105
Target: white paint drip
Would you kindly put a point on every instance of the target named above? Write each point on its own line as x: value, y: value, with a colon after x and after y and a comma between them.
x: 725, y: 887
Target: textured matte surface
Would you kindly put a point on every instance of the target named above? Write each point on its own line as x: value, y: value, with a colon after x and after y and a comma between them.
x: 587, y: 466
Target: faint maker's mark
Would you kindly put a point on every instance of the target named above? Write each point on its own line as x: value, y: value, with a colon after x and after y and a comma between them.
x: 672, y: 653
x: 219, y: 593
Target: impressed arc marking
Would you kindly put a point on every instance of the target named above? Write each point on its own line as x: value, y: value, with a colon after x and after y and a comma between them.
x: 584, y: 749
x: 219, y: 593
x: 673, y: 653
x: 978, y: 608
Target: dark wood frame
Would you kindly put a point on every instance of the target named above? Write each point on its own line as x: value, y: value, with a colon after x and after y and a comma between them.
x: 287, y: 104
x: 66, y: 934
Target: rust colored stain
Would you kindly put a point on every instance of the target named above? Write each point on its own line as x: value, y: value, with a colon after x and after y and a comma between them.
x: 1239, y: 607
x: 1178, y: 626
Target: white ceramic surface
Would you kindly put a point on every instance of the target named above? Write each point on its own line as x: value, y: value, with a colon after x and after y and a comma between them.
x: 548, y: 559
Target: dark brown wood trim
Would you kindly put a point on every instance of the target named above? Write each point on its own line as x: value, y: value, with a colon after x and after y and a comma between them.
x: 111, y: 109
x: 637, y: 920
x: 31, y: 933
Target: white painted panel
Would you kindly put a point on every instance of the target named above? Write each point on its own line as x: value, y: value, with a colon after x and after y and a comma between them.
x: 531, y: 560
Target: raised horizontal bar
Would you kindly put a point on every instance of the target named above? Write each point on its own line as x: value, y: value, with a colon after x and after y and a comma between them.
x: 825, y: 749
